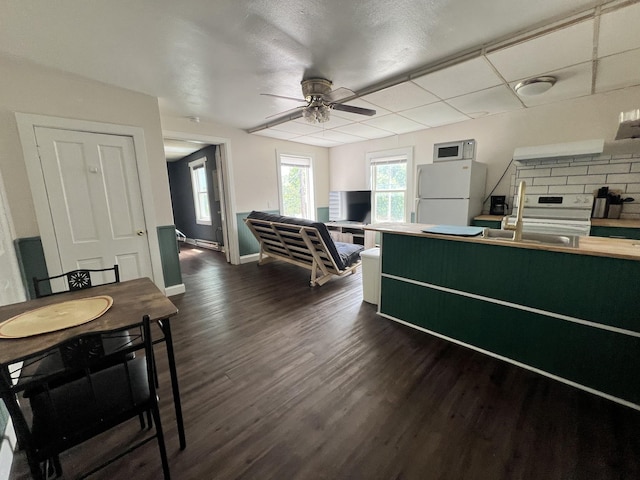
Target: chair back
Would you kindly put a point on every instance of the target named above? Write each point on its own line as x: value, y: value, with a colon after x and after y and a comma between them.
x: 75, y: 280
x: 73, y: 391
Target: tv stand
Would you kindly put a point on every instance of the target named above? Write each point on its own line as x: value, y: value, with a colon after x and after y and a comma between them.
x: 352, y: 232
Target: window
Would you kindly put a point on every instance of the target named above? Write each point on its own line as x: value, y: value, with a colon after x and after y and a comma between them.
x: 200, y: 191
x: 390, y: 177
x: 296, y: 186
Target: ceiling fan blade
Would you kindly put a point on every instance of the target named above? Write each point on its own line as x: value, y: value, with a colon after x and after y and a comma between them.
x: 338, y: 94
x: 352, y: 109
x: 282, y: 96
x: 287, y: 112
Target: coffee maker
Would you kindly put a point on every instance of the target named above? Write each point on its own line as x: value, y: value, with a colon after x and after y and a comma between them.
x: 498, y: 205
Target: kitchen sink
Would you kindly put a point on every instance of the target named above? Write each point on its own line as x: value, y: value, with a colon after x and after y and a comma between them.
x: 529, y: 237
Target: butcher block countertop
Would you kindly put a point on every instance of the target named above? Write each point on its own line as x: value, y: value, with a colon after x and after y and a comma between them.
x: 595, y: 246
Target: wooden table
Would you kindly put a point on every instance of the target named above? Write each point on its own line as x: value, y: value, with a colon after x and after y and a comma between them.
x: 131, y: 300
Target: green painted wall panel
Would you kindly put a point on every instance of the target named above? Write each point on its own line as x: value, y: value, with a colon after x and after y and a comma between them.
x: 169, y: 255
x: 322, y: 214
x: 600, y: 359
x: 247, y: 243
x: 600, y: 289
x: 632, y: 233
x: 32, y: 263
x: 486, y: 224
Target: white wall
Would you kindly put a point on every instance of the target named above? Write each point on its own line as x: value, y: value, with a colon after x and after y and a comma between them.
x: 253, y: 157
x: 497, y: 136
x: 28, y: 88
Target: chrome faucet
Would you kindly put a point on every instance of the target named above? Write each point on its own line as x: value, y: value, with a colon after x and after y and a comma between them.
x: 517, y: 228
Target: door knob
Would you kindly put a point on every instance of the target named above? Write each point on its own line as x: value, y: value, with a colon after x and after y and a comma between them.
x: 140, y: 233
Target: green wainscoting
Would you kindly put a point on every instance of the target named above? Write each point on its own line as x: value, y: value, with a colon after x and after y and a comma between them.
x: 32, y: 263
x: 322, y: 214
x: 169, y: 255
x: 247, y: 243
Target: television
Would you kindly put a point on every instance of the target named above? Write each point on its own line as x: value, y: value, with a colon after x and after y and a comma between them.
x: 350, y: 206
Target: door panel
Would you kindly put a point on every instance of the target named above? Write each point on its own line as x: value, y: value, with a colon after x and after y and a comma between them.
x: 95, y: 201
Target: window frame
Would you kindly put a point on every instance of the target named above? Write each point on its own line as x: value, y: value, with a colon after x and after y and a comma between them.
x: 391, y: 156
x: 194, y: 166
x: 291, y: 159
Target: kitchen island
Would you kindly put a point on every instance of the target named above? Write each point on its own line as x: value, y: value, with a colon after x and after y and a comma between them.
x: 572, y: 314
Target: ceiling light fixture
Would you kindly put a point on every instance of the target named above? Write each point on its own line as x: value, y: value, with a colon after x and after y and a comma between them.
x: 317, y: 111
x: 535, y: 86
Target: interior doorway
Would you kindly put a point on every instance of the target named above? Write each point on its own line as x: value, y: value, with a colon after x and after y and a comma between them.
x: 221, y: 233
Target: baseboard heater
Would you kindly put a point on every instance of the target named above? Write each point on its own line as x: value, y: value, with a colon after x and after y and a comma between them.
x: 205, y: 244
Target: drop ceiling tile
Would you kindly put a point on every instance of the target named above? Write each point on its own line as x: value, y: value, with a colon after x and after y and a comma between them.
x: 618, y: 71
x: 395, y: 123
x: 486, y: 102
x: 619, y: 31
x: 553, y: 51
x: 298, y: 128
x: 572, y: 82
x: 460, y: 79
x: 270, y: 132
x: 319, y: 142
x: 362, y: 130
x: 336, y: 136
x: 401, y: 97
x: 435, y: 114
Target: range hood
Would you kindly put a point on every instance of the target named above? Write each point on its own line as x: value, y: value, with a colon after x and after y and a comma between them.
x: 559, y: 150
x: 629, y: 125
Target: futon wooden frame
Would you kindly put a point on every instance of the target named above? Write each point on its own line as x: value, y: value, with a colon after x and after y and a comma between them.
x: 299, y: 245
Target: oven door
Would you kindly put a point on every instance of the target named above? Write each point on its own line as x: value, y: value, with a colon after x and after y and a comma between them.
x: 555, y: 226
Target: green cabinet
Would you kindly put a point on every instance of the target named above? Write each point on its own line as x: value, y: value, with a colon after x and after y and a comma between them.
x: 616, y: 232
x: 486, y: 223
x: 573, y: 317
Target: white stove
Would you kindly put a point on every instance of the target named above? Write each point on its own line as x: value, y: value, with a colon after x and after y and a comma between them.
x: 555, y: 214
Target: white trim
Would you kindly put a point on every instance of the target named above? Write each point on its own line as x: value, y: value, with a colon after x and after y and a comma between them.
x: 193, y: 166
x: 515, y: 362
x: 174, y: 290
x: 9, y: 234
x: 253, y: 257
x: 26, y: 128
x: 8, y: 445
x: 394, y: 154
x: 232, y: 246
x: 517, y: 306
x: 303, y: 160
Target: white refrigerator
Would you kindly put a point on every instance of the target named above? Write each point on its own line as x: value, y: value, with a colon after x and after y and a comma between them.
x: 450, y: 193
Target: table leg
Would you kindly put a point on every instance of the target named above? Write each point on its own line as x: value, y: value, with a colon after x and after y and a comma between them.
x: 165, y: 325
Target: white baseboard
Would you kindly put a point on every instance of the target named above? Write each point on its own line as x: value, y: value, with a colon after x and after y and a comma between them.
x: 254, y: 257
x: 6, y: 451
x: 173, y: 290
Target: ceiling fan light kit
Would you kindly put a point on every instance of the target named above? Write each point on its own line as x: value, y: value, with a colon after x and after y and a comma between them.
x: 535, y: 86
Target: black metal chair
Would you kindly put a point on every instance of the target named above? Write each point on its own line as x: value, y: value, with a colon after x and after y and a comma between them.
x: 75, y: 279
x: 80, y: 393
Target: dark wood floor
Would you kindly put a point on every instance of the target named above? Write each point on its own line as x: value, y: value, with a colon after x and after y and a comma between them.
x: 283, y: 381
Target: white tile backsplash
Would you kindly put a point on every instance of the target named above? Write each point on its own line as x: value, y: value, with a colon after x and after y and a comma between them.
x: 620, y: 172
x: 609, y: 168
x: 562, y: 171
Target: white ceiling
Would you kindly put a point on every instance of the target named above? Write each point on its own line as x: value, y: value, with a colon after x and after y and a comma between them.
x: 447, y: 61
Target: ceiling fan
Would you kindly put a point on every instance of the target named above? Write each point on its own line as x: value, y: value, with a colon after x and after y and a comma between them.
x: 320, y: 99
